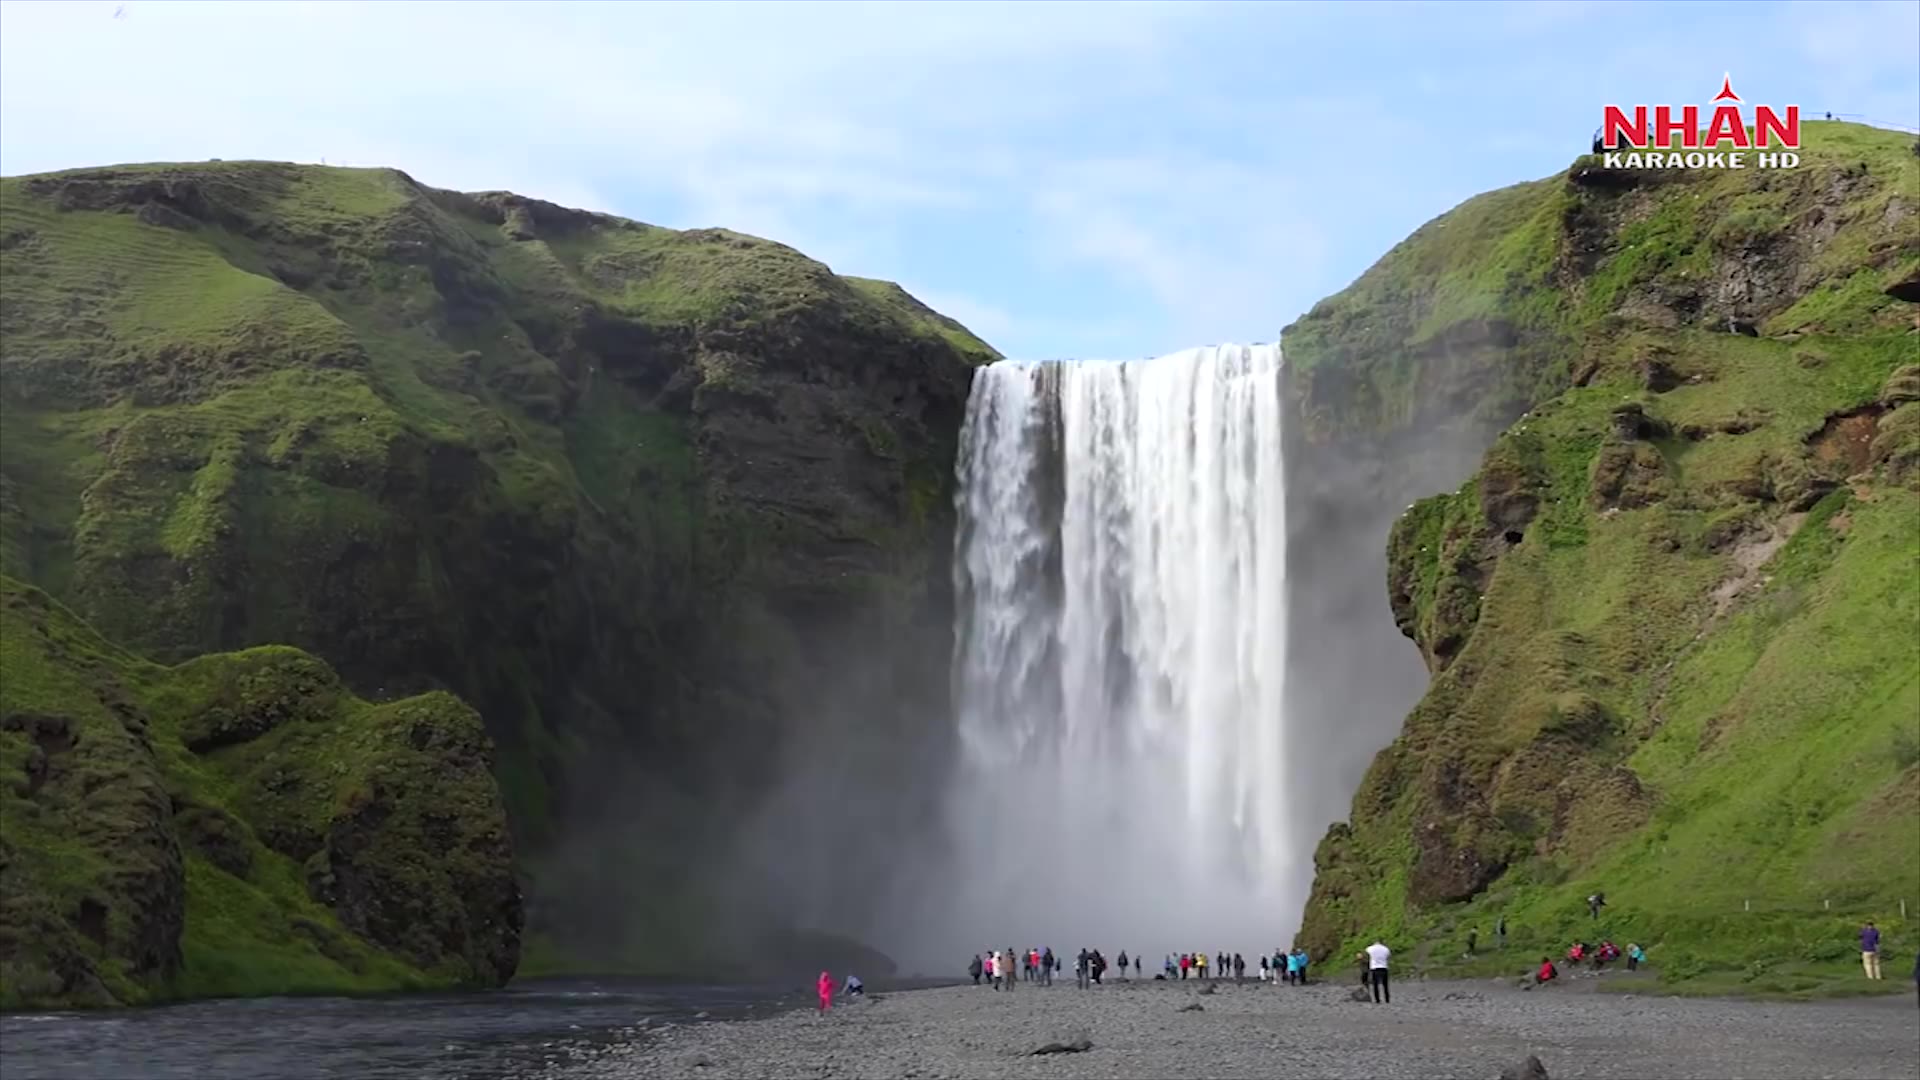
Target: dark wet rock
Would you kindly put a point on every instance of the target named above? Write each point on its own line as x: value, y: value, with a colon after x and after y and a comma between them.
x: 1907, y: 288
x: 1077, y: 1046
x: 1630, y: 420
x: 1901, y: 387
x: 1656, y: 373
x: 1529, y: 1069
x: 1628, y: 476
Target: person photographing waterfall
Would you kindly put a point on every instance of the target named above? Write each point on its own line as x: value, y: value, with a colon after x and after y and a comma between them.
x: 1377, y: 956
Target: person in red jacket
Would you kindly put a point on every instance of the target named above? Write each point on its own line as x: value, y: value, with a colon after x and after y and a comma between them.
x: 825, y: 988
x: 1546, y: 973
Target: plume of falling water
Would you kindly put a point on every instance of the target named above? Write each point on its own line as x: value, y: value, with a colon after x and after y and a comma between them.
x: 1119, y: 667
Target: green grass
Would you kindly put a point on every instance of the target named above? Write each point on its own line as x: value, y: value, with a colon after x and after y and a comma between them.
x: 446, y: 440
x: 1408, y: 331
x: 269, y: 743
x: 1731, y: 768
x: 1764, y: 746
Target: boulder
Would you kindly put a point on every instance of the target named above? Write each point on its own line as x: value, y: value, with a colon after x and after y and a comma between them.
x: 1527, y: 1069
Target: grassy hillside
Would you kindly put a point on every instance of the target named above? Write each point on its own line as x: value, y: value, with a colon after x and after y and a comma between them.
x: 238, y: 824
x: 1672, y: 619
x: 627, y: 490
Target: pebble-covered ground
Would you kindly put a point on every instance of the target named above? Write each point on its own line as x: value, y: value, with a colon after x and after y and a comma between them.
x: 1432, y: 1029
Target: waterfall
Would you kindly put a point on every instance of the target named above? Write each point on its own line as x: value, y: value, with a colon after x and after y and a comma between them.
x: 1119, y: 665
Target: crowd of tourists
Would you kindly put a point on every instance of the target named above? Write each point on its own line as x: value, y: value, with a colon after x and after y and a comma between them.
x: 1004, y: 969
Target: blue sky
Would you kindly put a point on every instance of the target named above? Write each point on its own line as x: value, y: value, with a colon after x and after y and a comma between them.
x: 1069, y: 179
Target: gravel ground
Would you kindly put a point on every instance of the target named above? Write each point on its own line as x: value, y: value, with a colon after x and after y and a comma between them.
x: 1432, y: 1029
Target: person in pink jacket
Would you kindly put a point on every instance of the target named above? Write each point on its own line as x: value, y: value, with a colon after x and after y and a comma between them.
x: 825, y: 987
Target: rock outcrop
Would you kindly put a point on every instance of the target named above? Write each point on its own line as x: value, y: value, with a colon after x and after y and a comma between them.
x: 1694, y: 476
x: 239, y: 823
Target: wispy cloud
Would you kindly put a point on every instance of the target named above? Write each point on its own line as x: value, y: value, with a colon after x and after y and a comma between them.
x: 1073, y: 178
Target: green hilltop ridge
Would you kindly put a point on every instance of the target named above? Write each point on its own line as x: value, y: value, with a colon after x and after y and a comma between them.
x: 236, y: 824
x: 1671, y: 620
x: 549, y: 461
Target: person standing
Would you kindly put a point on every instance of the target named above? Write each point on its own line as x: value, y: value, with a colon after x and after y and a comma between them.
x: 1500, y: 932
x: 825, y: 989
x: 1473, y: 937
x: 1377, y: 954
x: 1870, y: 949
x: 1916, y: 974
x: 1123, y: 963
x: 1012, y: 968
x: 974, y: 968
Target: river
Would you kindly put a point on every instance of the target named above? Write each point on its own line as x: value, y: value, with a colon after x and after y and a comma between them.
x: 473, y: 1036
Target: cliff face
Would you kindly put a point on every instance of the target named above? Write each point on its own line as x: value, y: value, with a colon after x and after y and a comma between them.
x: 1670, y: 620
x: 237, y: 824
x: 636, y: 495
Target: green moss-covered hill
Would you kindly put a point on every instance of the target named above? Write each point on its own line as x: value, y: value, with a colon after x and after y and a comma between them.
x: 1673, y: 620
x: 625, y: 490
x: 237, y: 824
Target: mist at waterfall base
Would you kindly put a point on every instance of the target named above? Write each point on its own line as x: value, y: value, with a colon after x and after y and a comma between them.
x: 1119, y: 669
x: 1086, y: 735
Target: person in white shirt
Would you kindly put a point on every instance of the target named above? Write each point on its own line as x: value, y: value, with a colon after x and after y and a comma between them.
x: 1377, y: 955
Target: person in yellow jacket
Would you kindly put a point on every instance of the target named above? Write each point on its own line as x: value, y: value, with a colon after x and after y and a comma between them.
x: 1200, y: 962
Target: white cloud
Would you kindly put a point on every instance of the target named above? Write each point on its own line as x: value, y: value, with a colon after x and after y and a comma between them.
x: 1165, y: 150
x: 813, y: 124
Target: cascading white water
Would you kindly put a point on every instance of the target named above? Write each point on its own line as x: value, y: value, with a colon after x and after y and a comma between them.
x: 1120, y: 572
